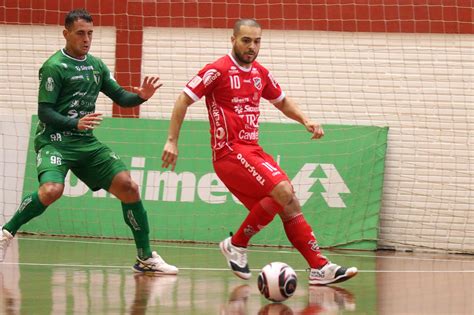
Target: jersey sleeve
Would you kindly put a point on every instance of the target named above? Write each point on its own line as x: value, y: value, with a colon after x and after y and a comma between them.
x: 50, y: 84
x: 109, y: 84
x: 272, y: 91
x: 203, y: 83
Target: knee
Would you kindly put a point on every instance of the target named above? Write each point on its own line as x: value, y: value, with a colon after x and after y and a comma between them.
x: 127, y: 190
x: 283, y: 193
x: 289, y: 212
x: 129, y: 186
x: 50, y: 192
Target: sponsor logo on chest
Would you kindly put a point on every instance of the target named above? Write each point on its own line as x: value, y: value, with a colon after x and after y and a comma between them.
x: 84, y: 68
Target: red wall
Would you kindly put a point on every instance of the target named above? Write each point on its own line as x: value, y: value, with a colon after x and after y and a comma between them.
x: 129, y: 17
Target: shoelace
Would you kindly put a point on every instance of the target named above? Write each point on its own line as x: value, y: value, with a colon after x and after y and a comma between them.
x: 241, y: 256
x: 316, y: 273
x: 157, y: 260
x: 243, y: 259
x: 313, y: 272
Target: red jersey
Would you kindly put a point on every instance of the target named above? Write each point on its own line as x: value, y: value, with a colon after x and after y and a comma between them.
x: 232, y: 99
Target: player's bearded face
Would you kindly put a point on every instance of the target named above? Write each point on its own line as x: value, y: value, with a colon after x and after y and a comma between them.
x: 246, y: 44
x: 78, y: 38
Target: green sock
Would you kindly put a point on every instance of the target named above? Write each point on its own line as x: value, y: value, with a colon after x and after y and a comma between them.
x: 29, y: 208
x: 135, y: 216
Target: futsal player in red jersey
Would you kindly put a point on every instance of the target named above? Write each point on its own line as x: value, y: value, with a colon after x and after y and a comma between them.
x: 233, y: 86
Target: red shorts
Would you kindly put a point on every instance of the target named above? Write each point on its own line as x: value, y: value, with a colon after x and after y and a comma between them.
x: 249, y: 173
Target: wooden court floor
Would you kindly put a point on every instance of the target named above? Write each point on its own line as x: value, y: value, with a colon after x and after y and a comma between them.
x: 44, y: 275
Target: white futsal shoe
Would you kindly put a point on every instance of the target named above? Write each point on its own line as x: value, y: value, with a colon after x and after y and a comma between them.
x: 155, y: 265
x: 236, y: 258
x: 5, y: 239
x: 330, y: 273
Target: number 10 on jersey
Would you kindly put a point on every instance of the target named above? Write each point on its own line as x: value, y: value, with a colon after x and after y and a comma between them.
x: 234, y: 82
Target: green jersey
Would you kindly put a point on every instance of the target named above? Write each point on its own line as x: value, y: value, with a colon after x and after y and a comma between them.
x: 71, y: 86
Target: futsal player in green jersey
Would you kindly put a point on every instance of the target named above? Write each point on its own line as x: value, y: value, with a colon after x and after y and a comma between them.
x: 70, y: 81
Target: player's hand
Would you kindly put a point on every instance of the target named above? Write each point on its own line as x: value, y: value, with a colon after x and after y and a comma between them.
x: 90, y: 121
x: 170, y: 155
x: 315, y: 129
x: 148, y: 88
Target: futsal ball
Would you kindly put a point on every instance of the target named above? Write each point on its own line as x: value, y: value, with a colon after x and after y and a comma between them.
x: 277, y: 281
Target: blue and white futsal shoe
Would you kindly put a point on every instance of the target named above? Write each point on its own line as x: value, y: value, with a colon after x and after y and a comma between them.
x: 330, y: 273
x: 155, y: 265
x: 236, y: 258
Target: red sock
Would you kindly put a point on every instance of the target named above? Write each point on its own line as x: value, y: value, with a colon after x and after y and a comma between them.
x: 259, y: 216
x: 302, y: 237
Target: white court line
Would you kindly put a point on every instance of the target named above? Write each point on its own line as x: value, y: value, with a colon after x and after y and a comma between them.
x: 99, y: 266
x: 222, y: 269
x: 216, y: 247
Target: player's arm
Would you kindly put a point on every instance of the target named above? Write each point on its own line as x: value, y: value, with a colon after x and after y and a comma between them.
x: 291, y: 110
x: 48, y: 115
x: 170, y: 151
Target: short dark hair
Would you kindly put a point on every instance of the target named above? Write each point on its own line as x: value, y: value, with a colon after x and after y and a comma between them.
x: 77, y: 14
x: 246, y: 22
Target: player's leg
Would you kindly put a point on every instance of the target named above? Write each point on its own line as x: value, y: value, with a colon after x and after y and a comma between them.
x: 34, y: 204
x: 234, y: 247
x: 297, y: 230
x: 106, y: 170
x: 51, y: 172
x: 135, y: 216
x: 259, y: 216
x: 250, y: 178
x: 301, y: 235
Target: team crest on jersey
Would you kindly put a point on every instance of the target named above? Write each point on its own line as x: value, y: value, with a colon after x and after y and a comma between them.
x: 257, y: 82
x: 49, y: 84
x: 96, y: 77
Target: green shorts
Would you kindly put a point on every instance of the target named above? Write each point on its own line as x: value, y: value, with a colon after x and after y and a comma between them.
x: 91, y: 161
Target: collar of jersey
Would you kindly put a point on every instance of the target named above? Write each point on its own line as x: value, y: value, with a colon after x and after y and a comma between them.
x: 239, y: 66
x: 64, y: 53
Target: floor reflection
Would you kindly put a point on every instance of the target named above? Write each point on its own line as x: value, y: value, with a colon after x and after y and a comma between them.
x: 150, y: 290
x: 74, y: 277
x: 329, y: 300
x: 237, y: 304
x: 276, y: 309
x: 10, y: 298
